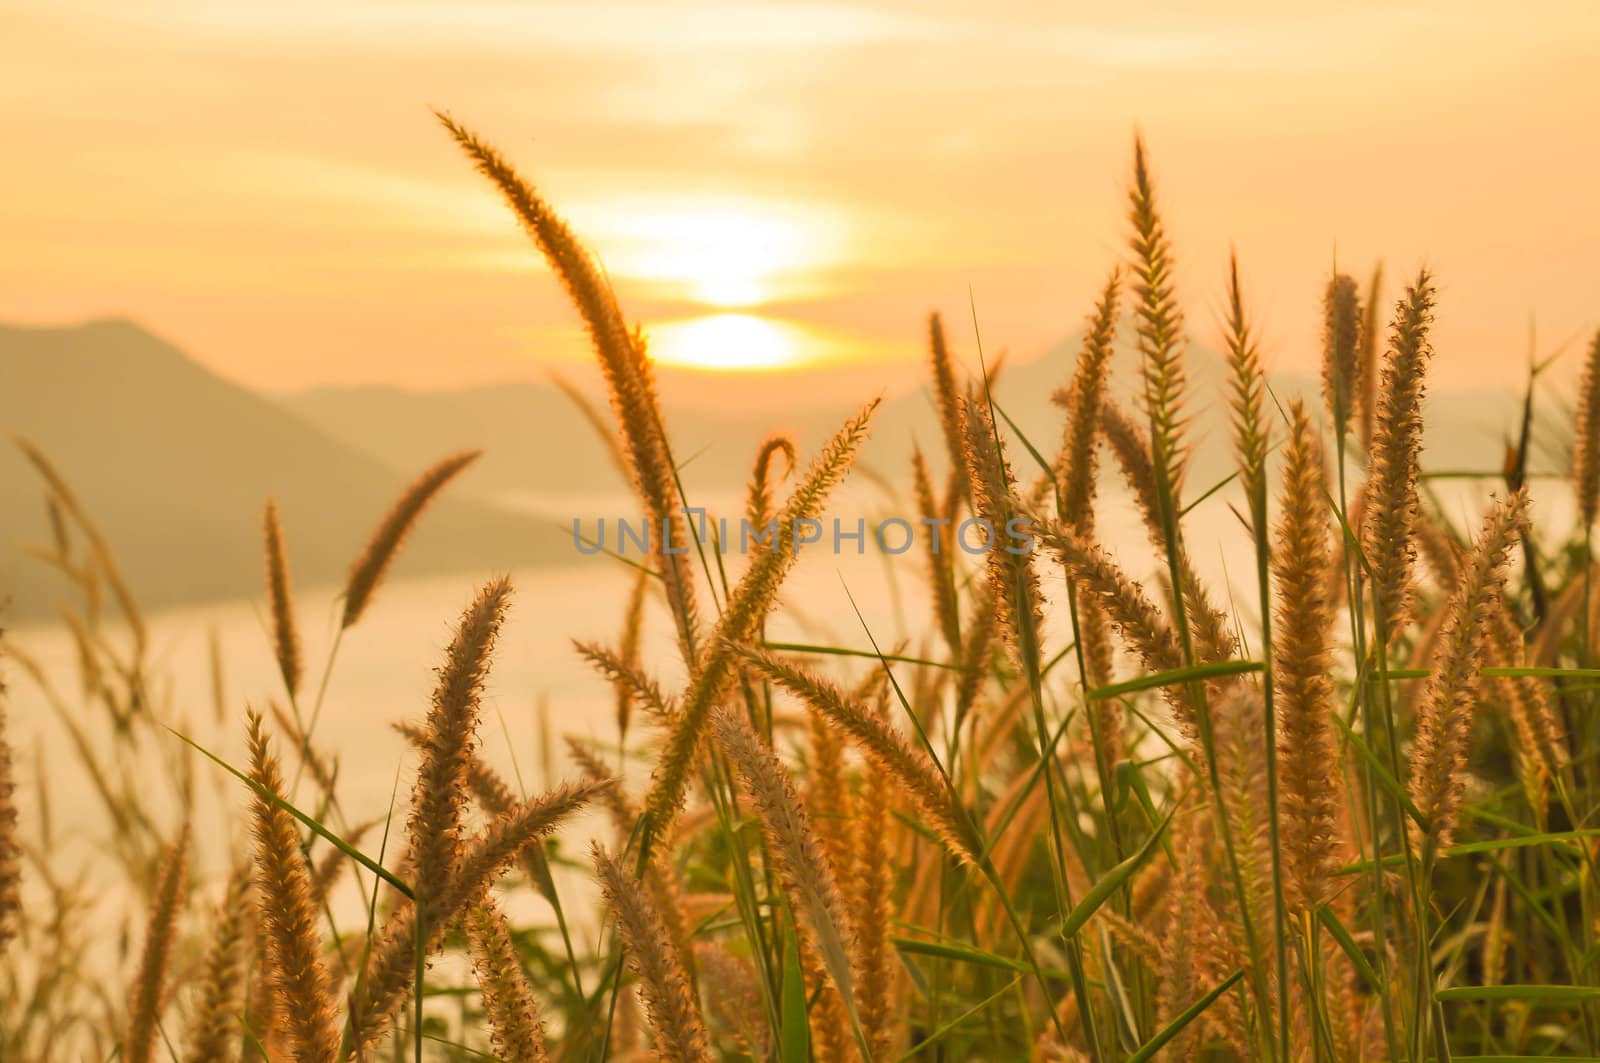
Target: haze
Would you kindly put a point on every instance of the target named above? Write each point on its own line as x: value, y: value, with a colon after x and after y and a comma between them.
x: 782, y: 185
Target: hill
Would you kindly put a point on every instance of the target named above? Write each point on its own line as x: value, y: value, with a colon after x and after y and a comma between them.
x: 514, y: 422
x: 175, y: 463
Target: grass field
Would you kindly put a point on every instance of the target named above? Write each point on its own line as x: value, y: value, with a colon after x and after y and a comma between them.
x: 1352, y: 817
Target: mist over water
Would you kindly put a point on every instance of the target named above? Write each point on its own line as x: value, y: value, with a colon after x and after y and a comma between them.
x: 539, y: 689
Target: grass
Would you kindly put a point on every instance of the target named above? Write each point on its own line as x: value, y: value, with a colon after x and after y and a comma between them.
x: 1361, y: 826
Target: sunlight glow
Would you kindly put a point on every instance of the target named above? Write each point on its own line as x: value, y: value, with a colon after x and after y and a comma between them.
x: 729, y: 341
x: 724, y: 253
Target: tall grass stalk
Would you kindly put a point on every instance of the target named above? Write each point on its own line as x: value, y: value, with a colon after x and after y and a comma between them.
x: 1162, y: 367
x: 1231, y: 835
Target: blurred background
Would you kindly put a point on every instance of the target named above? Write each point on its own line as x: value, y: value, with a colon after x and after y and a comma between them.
x: 240, y: 259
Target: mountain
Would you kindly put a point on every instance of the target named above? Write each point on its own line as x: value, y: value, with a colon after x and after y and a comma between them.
x: 536, y: 440
x: 716, y: 422
x: 175, y: 463
x: 515, y: 422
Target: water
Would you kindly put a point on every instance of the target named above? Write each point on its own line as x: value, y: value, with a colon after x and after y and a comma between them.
x: 538, y: 690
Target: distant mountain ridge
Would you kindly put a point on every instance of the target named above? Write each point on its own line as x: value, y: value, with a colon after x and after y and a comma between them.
x: 512, y: 421
x: 175, y: 464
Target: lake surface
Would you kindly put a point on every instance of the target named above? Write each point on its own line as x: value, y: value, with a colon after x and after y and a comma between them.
x: 538, y: 690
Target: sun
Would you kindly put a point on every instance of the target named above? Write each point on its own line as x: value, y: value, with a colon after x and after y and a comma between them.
x: 727, y: 252
x: 720, y: 258
x: 714, y: 265
x: 729, y: 341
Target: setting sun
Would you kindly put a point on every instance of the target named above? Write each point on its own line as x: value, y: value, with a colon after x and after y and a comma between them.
x: 729, y: 341
x: 573, y: 433
x: 730, y: 253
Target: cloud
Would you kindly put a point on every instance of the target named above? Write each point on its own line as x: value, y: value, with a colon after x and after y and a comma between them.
x: 896, y: 150
x: 690, y: 26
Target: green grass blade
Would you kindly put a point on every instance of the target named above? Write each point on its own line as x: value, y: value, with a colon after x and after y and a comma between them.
x: 845, y: 651
x: 1213, y: 489
x: 327, y: 835
x: 1112, y: 881
x: 1566, y: 839
x: 1402, y: 673
x: 1381, y: 773
x: 1352, y: 541
x: 1542, y: 673
x: 1185, y: 1017
x: 1174, y: 677
x: 1331, y: 922
x: 794, y: 1041
x: 1022, y: 437
x: 970, y: 954
x: 1544, y: 994
x: 942, y: 1032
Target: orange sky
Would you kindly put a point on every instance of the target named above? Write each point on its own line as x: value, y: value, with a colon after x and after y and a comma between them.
x: 263, y: 182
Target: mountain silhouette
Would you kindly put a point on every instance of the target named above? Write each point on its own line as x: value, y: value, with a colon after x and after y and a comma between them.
x: 515, y: 422
x: 175, y: 463
x: 537, y: 441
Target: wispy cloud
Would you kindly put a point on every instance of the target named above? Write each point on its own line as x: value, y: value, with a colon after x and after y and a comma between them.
x: 690, y: 26
x: 856, y: 162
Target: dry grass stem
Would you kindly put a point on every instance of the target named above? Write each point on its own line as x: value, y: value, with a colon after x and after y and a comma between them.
x: 289, y: 916
x: 1390, y: 516
x: 747, y: 607
x: 1437, y: 776
x: 150, y: 985
x: 674, y: 1014
x: 1303, y: 630
x: 379, y: 552
x: 285, y: 636
x: 508, y: 1002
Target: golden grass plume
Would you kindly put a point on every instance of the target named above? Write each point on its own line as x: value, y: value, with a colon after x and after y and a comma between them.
x: 1160, y: 327
x: 795, y: 847
x: 214, y: 1035
x: 1391, y: 512
x: 285, y: 636
x: 673, y: 1012
x: 391, y: 967
x: 368, y: 570
x: 911, y: 768
x: 508, y: 1001
x: 437, y: 803
x: 630, y: 380
x: 10, y: 848
x: 1012, y: 579
x: 1437, y: 776
x: 150, y: 985
x: 1302, y: 661
x: 301, y: 983
x: 1586, y: 437
x: 1341, y: 337
x: 947, y: 400
x: 747, y: 607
